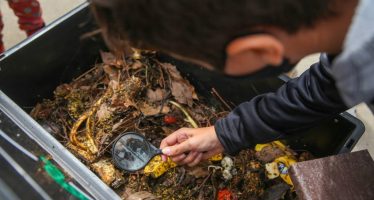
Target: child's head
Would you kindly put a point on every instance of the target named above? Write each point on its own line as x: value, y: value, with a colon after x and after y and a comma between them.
x: 217, y: 33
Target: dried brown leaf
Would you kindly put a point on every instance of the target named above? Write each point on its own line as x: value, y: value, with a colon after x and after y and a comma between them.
x: 137, y: 65
x: 149, y: 110
x: 62, y: 90
x: 156, y: 95
x: 113, y: 84
x: 121, y: 100
x: 104, y: 112
x: 117, y: 125
x: 108, y: 58
x: 105, y: 169
x: 181, y: 89
x: 198, y: 117
x: 198, y: 172
x: 167, y: 131
x: 268, y: 154
x: 142, y: 195
x: 112, y: 72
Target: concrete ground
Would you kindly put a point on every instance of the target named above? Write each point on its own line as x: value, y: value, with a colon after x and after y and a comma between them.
x: 52, y: 9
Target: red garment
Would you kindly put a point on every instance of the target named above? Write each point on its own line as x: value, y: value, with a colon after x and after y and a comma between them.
x: 29, y: 16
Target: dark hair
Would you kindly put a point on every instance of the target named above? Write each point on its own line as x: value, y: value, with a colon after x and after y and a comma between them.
x: 199, y: 29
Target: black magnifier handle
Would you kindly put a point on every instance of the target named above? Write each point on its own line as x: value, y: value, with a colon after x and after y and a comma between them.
x: 131, y: 151
x: 155, y: 150
x: 158, y: 151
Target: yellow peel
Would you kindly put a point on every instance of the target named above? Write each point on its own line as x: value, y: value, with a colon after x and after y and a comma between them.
x: 277, y: 143
x: 156, y: 167
x: 217, y: 157
x: 259, y: 147
x: 287, y: 161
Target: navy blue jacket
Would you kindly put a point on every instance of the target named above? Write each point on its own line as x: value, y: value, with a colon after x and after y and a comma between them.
x: 298, y: 105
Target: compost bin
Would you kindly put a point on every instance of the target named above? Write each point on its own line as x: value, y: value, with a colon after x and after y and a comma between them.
x: 30, y: 71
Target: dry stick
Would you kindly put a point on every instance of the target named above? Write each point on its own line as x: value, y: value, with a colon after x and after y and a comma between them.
x: 162, y: 81
x: 146, y: 75
x: 214, y: 187
x: 167, y: 73
x: 85, y: 73
x: 202, y: 184
x: 138, y: 180
x: 215, y: 93
x: 162, y: 77
x: 105, y: 148
x: 65, y: 124
x: 188, y: 116
x: 123, y: 122
x: 90, y: 34
x: 65, y: 132
x: 181, y: 178
x: 126, y: 67
x: 138, y: 71
x: 119, y: 76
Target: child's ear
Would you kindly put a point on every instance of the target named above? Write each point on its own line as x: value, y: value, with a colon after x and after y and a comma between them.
x: 250, y: 53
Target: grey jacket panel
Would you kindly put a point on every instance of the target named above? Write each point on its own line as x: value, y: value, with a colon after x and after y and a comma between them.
x: 354, y: 75
x: 354, y: 68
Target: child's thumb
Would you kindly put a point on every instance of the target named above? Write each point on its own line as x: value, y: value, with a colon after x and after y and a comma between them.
x: 177, y: 149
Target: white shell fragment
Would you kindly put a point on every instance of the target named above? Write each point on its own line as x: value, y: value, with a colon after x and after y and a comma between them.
x: 272, y: 170
x: 227, y: 164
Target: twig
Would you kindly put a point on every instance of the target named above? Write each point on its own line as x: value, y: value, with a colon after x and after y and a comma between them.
x: 181, y: 178
x: 201, y: 185
x: 215, y: 93
x: 146, y: 76
x: 102, y: 151
x: 85, y: 73
x: 214, y: 187
x: 162, y: 83
x: 90, y: 34
x: 167, y: 73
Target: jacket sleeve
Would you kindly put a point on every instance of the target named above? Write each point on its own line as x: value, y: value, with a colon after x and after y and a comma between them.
x: 298, y: 105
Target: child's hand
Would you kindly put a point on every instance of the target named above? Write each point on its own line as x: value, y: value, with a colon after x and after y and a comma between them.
x: 191, y: 145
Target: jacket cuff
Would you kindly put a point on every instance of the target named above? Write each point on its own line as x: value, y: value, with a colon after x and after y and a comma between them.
x: 229, y: 141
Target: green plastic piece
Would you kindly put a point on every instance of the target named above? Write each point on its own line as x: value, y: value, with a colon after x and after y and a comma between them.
x: 59, y: 178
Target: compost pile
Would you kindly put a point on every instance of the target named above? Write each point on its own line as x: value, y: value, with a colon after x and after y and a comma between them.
x: 139, y: 93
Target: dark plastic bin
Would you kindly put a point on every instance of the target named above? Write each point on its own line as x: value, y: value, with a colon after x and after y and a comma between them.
x: 30, y: 71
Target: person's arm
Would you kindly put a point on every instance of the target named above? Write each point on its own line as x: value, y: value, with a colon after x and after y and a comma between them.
x: 297, y: 105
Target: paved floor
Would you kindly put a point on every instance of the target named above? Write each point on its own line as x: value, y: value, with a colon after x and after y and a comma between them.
x: 56, y: 8
x: 52, y: 9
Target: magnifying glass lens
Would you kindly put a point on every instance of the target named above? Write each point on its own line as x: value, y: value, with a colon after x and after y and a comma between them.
x: 132, y: 152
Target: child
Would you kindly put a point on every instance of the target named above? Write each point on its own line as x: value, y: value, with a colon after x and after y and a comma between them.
x: 244, y: 37
x: 29, y: 16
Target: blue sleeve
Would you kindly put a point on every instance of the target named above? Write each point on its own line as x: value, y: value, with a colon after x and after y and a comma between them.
x: 298, y: 105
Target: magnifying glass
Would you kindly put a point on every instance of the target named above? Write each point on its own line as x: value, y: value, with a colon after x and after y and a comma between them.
x: 132, y: 152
